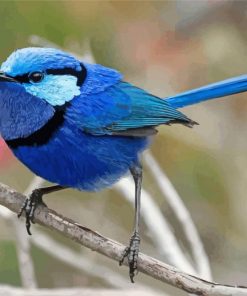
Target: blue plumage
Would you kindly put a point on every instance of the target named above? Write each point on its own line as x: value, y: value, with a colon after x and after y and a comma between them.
x: 56, y: 90
x: 27, y: 60
x: 81, y: 126
x: 215, y: 90
x: 118, y: 108
x: 21, y: 113
x: 103, y: 118
x: 76, y: 159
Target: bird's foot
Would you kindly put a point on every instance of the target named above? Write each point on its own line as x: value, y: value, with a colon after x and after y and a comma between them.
x: 131, y: 252
x: 29, y: 206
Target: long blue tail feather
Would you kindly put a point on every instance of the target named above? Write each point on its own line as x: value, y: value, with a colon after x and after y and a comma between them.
x: 215, y: 90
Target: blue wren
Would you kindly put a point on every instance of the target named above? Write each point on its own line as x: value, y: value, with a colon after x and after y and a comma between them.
x: 82, y: 126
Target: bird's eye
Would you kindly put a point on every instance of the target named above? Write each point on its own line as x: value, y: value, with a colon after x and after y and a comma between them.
x: 36, y: 77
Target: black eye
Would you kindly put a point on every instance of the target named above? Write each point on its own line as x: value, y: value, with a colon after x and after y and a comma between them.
x: 36, y: 77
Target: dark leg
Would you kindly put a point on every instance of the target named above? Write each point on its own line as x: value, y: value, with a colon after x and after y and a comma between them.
x: 32, y: 202
x: 132, y: 251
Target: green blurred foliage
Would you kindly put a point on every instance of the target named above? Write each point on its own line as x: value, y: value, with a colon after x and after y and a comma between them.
x: 9, y: 268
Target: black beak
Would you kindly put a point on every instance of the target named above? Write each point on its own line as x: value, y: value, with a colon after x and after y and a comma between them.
x: 5, y: 78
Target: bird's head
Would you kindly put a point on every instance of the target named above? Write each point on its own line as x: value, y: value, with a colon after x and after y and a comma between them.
x: 33, y: 82
x: 47, y: 73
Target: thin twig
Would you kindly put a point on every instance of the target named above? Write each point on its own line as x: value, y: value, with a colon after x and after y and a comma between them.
x: 93, y: 240
x: 182, y: 214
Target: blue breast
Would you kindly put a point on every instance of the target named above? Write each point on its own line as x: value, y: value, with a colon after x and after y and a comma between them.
x: 75, y: 159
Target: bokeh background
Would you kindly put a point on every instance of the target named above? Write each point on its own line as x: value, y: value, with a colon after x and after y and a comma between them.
x: 164, y: 47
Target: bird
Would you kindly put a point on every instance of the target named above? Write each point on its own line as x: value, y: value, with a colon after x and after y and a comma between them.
x: 82, y: 126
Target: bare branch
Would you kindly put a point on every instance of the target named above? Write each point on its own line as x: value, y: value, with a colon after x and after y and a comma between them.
x: 55, y: 249
x: 77, y: 260
x: 66, y: 254
x: 96, y: 242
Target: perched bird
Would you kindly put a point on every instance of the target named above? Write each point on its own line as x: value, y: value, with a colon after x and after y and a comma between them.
x: 80, y: 125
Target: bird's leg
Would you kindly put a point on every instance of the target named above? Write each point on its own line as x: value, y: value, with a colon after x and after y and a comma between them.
x: 31, y: 203
x: 131, y: 252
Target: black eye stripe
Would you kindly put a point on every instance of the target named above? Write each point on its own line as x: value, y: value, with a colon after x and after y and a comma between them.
x: 80, y: 75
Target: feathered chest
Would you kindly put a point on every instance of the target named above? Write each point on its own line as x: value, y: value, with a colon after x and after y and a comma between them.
x: 21, y: 113
x: 63, y: 154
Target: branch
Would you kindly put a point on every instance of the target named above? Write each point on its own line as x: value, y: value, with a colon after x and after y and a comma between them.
x: 63, y: 253
x: 77, y: 260
x: 96, y: 242
x: 55, y: 249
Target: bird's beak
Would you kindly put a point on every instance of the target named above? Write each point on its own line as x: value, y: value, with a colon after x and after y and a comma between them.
x: 5, y: 78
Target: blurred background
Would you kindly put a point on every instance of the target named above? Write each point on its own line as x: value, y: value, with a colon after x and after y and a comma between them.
x: 164, y: 47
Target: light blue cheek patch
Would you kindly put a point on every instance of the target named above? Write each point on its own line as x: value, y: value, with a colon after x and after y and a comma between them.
x: 55, y: 89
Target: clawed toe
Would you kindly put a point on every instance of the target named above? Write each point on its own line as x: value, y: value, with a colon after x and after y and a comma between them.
x: 131, y: 253
x: 29, y: 206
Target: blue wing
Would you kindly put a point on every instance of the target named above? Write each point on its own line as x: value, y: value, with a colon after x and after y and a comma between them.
x: 122, y: 109
x: 108, y: 106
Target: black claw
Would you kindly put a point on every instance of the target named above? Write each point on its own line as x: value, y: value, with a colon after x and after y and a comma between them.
x: 29, y: 206
x: 28, y: 225
x: 22, y: 208
x: 125, y: 254
x: 131, y: 253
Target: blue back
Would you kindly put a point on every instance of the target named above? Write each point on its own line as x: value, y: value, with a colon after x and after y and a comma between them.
x: 108, y: 105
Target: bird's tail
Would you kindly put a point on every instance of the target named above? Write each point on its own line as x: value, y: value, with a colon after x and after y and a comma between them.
x: 212, y: 91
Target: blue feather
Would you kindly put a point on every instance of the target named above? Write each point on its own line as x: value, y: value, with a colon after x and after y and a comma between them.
x: 215, y: 90
x: 55, y: 89
x: 98, y: 79
x: 77, y: 125
x: 83, y: 149
x: 118, y: 108
x: 21, y: 113
x: 31, y: 59
x: 145, y: 110
x: 75, y: 159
